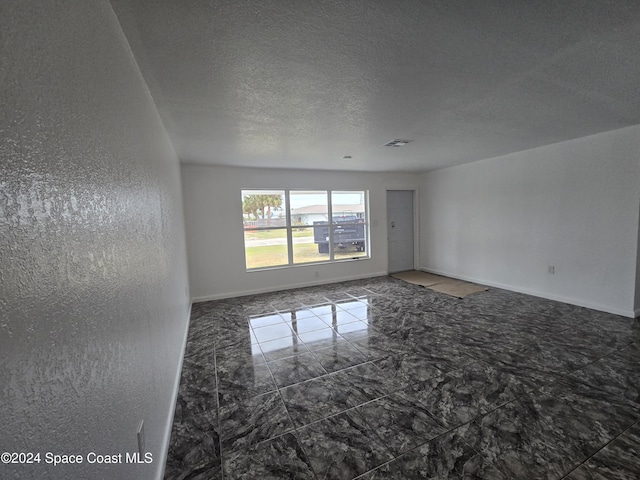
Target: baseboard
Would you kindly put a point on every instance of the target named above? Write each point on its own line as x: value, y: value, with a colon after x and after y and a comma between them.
x: 558, y: 298
x: 278, y: 288
x: 636, y: 313
x: 174, y: 400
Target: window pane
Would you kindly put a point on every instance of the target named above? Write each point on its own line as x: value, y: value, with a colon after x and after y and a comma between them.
x: 349, y: 224
x: 349, y: 206
x: 309, y: 218
x: 308, y: 207
x: 349, y: 240
x: 266, y: 248
x: 263, y: 209
x: 310, y: 244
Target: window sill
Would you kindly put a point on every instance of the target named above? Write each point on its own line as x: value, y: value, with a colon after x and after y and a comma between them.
x: 296, y: 265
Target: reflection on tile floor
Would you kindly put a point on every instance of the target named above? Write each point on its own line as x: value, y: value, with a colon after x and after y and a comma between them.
x: 381, y: 379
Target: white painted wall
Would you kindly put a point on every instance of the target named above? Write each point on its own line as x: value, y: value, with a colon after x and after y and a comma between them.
x: 213, y: 216
x: 573, y: 205
x: 93, y: 307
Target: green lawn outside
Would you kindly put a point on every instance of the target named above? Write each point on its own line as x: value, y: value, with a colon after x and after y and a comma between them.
x: 276, y: 255
x: 269, y: 256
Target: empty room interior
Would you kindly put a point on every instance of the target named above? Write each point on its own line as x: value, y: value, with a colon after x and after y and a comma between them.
x: 211, y: 213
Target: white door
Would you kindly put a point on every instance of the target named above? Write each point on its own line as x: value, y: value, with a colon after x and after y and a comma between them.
x: 400, y: 230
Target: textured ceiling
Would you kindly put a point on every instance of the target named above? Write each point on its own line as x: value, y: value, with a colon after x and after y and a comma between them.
x: 300, y: 84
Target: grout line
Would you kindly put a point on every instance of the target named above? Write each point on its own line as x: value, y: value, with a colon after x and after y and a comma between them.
x: 295, y: 428
x: 600, y: 449
x: 215, y: 370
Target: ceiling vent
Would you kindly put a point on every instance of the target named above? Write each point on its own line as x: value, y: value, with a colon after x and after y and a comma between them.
x: 397, y: 143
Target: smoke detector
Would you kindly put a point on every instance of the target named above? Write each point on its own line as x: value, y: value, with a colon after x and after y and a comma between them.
x: 397, y: 143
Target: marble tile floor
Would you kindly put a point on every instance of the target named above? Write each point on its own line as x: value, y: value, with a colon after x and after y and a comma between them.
x: 381, y: 379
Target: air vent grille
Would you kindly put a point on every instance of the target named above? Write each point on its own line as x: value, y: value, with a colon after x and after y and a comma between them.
x: 397, y: 143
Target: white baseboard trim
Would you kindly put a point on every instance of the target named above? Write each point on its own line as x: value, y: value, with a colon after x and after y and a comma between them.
x: 174, y: 400
x: 277, y: 288
x: 558, y: 298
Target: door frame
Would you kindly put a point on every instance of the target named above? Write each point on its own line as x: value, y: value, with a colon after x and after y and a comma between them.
x: 416, y: 224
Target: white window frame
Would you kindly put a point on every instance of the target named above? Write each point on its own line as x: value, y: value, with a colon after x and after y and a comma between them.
x: 289, y: 228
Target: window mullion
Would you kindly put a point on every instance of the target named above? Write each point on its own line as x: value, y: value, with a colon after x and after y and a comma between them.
x: 330, y: 219
x: 289, y: 227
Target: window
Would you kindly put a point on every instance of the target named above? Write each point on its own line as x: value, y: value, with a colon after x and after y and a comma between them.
x: 293, y: 227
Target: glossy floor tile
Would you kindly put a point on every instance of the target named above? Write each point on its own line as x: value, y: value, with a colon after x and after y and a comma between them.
x: 343, y: 446
x: 447, y: 456
x: 401, y: 422
x: 617, y: 461
x: 381, y: 379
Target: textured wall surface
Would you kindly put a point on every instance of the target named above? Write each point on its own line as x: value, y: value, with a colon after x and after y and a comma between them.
x: 93, y: 283
x: 573, y: 205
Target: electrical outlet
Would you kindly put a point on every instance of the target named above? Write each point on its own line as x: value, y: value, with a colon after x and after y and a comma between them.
x: 552, y: 270
x: 141, y: 446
